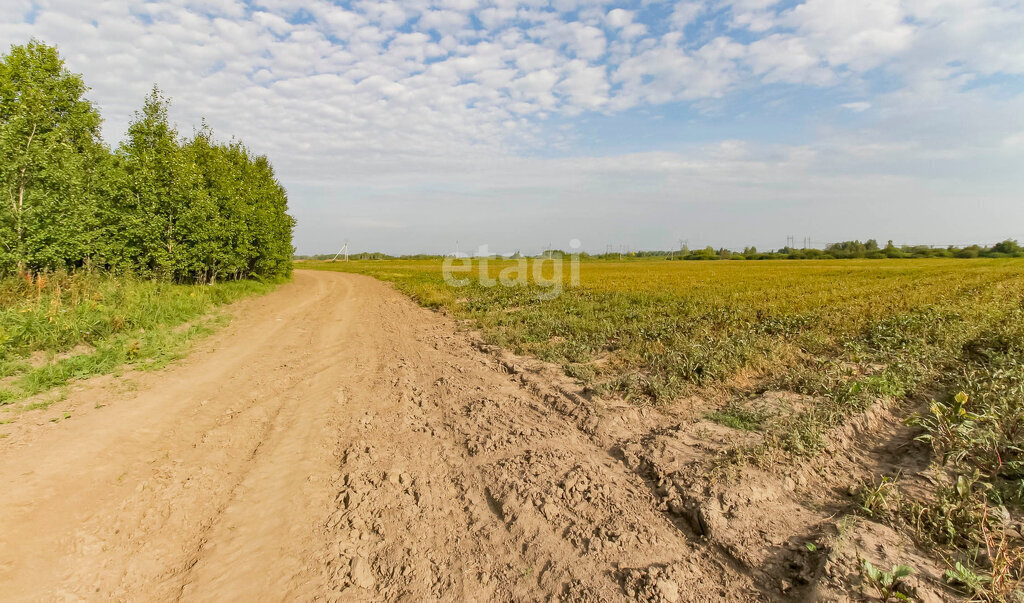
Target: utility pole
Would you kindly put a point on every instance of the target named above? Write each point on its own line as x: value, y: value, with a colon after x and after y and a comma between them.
x: 344, y: 249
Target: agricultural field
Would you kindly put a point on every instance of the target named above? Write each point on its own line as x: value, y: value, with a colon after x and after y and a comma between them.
x: 796, y: 361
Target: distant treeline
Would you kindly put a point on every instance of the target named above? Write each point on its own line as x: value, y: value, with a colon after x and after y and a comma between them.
x: 159, y: 205
x: 854, y: 250
x: 845, y: 250
x: 367, y: 256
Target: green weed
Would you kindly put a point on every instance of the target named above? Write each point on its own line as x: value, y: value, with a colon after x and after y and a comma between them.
x: 879, y: 499
x: 738, y: 416
x: 886, y: 583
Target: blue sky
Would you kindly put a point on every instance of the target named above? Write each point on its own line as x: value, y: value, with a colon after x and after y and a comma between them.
x: 407, y: 126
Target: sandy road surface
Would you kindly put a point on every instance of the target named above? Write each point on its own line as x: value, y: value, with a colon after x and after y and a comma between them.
x: 337, y: 442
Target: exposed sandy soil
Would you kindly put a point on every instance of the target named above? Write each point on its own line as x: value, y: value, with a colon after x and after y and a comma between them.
x: 338, y: 442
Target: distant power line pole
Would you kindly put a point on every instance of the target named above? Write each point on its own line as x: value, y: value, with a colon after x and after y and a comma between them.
x: 344, y: 249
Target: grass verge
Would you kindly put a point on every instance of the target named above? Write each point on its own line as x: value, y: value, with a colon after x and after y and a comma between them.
x: 60, y: 327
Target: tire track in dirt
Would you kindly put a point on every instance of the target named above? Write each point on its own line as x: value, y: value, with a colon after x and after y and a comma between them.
x: 337, y: 441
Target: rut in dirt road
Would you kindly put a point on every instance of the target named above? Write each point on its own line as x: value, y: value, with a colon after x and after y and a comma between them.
x: 337, y: 441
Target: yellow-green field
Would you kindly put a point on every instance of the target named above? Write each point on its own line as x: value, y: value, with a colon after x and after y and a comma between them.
x: 943, y: 338
x: 656, y: 329
x: 848, y: 332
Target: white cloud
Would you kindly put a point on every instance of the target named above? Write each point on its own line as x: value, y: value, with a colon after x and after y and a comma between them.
x: 982, y: 36
x: 755, y: 15
x: 686, y: 12
x: 586, y: 87
x: 409, y: 89
x: 583, y: 41
x: 786, y: 58
x: 668, y: 72
x: 619, y: 18
x: 1014, y: 141
x: 858, y: 35
x: 444, y: 21
x: 857, y: 107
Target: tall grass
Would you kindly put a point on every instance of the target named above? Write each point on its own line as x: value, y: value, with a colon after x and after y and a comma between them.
x: 60, y: 326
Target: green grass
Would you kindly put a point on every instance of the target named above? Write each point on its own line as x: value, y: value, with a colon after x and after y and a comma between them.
x: 64, y: 327
x: 737, y: 416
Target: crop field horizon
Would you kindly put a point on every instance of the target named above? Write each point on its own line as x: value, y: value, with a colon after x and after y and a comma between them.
x: 658, y: 328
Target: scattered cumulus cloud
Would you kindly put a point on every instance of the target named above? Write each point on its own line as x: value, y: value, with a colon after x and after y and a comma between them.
x: 357, y: 94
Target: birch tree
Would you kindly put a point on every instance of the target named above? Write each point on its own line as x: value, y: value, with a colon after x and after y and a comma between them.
x: 49, y: 140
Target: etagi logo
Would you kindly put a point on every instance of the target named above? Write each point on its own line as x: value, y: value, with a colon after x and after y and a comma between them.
x: 546, y: 271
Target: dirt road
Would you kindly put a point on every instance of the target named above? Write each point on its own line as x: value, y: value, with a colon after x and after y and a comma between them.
x: 338, y: 442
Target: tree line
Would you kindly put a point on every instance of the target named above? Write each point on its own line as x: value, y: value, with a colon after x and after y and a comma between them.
x: 844, y: 250
x: 855, y: 250
x: 188, y: 209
